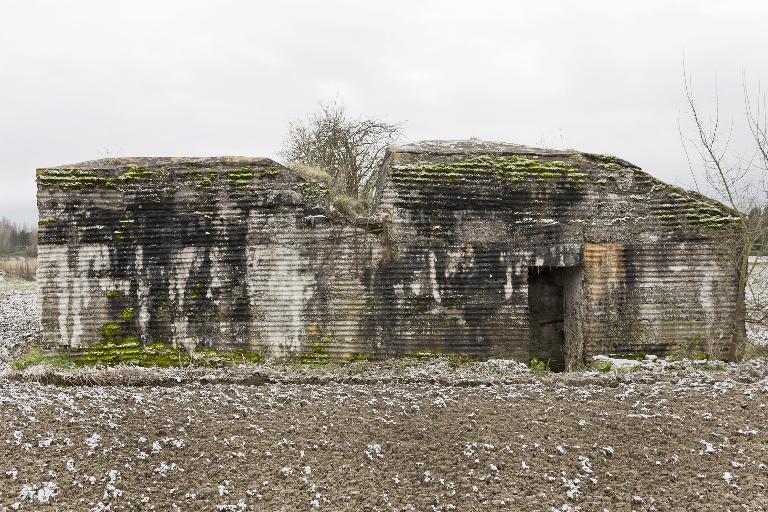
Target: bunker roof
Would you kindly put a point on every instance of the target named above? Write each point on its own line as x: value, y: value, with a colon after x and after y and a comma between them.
x: 475, y: 147
x: 168, y: 161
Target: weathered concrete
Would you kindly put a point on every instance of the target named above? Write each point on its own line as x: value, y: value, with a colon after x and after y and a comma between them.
x: 244, y: 253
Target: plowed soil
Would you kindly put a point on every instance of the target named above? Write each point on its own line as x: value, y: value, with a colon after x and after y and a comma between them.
x: 693, y: 441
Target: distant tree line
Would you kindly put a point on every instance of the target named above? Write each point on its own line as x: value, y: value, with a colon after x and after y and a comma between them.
x: 17, y: 239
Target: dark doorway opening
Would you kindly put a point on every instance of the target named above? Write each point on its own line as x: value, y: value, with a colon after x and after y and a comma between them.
x: 548, y: 290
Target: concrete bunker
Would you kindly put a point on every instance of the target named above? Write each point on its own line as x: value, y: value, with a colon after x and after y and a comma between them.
x: 487, y: 249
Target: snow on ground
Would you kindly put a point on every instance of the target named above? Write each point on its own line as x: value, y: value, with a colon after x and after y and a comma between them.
x: 19, y: 324
x: 676, y: 440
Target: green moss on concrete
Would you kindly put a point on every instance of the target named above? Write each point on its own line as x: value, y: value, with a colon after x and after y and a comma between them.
x: 87, y: 178
x: 138, y: 174
x: 74, y: 179
x: 271, y: 171
x: 47, y: 223
x: 508, y: 169
x: 130, y: 351
x: 127, y: 315
x: 699, y: 211
x: 111, y: 329
x: 314, y: 189
x: 113, y: 294
x: 241, y: 177
x: 606, y: 162
x: 202, y: 179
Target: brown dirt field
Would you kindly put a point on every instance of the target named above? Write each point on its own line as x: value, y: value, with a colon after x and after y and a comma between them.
x: 694, y: 441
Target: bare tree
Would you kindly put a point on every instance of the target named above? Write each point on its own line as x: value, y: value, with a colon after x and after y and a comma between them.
x: 739, y: 180
x: 349, y: 149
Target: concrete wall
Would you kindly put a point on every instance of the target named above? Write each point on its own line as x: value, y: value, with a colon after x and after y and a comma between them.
x: 202, y: 253
x: 469, y: 219
x: 231, y: 252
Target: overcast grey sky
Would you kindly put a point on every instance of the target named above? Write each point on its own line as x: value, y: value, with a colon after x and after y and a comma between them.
x: 79, y: 78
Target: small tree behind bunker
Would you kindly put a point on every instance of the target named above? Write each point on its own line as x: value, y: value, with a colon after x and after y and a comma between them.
x: 349, y: 149
x: 740, y: 180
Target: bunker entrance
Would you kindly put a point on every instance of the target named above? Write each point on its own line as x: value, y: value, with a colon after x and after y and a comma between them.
x: 548, y: 292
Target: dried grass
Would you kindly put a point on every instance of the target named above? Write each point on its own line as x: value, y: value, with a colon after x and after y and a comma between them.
x: 19, y: 267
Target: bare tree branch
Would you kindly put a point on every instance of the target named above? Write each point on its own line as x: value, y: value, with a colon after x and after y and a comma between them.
x: 350, y: 150
x: 741, y: 183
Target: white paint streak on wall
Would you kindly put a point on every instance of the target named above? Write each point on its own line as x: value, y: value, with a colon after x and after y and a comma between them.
x: 184, y: 262
x: 74, y: 302
x: 508, y: 289
x: 53, y: 259
x: 142, y: 294
x: 433, y: 277
x: 286, y: 286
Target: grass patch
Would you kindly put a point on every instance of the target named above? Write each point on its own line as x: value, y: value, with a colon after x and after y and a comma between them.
x: 539, y: 367
x: 689, y: 348
x: 752, y: 351
x: 131, y: 352
x: 17, y: 285
x: 36, y: 358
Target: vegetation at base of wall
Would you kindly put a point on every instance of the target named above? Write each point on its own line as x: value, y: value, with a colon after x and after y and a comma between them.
x: 634, y: 356
x: 422, y: 355
x: 605, y: 367
x: 130, y: 351
x: 752, y: 351
x: 511, y: 169
x: 689, y: 348
x: 539, y: 367
x: 316, y: 358
x: 37, y: 358
x: 318, y: 348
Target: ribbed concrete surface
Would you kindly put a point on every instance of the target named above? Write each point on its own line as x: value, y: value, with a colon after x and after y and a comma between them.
x: 237, y: 252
